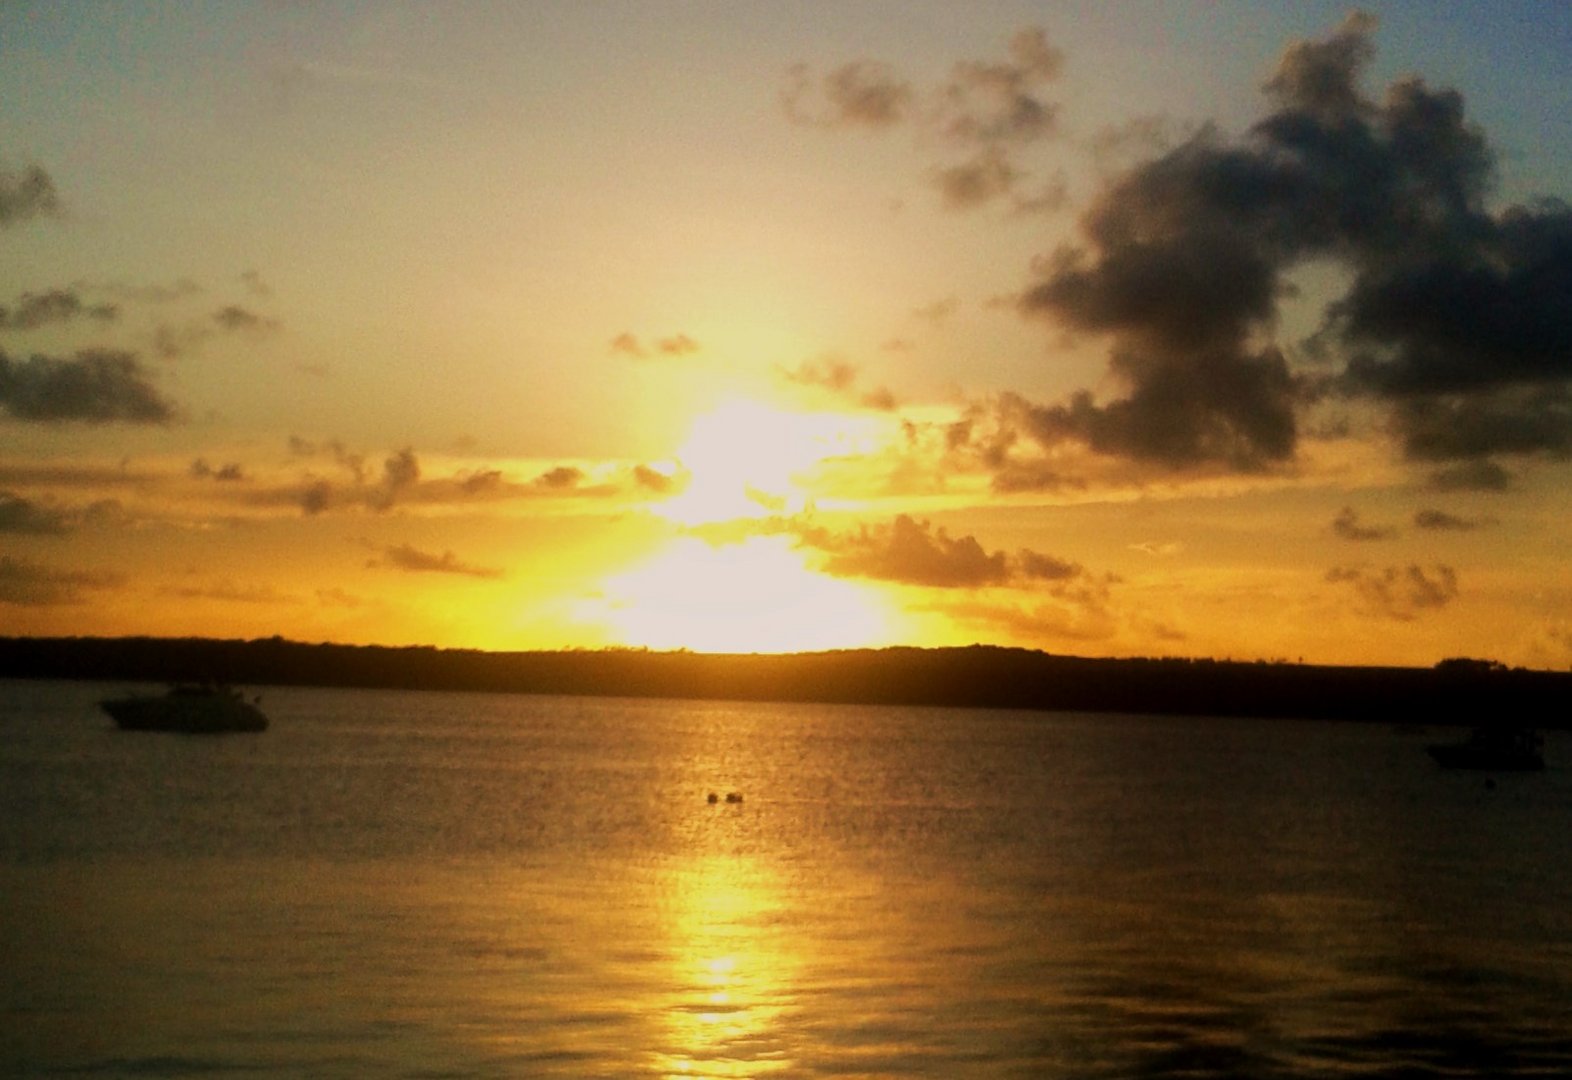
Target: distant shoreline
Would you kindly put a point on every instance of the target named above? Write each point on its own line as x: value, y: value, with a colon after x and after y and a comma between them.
x: 1458, y: 691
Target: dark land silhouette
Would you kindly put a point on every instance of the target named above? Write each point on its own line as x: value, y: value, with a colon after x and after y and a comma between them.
x: 1463, y: 691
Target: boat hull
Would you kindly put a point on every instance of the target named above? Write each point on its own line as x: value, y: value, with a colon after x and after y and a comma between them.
x: 1465, y: 756
x: 186, y: 715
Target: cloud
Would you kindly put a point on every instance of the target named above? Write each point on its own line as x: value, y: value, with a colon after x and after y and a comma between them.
x: 408, y: 558
x: 1347, y: 526
x: 29, y: 584
x: 863, y: 94
x: 231, y: 592
x: 1396, y: 593
x: 560, y: 478
x: 838, y: 377
x: 1471, y: 476
x: 33, y: 310
x: 255, y: 284
x: 228, y: 473
x: 95, y: 386
x: 27, y: 194
x: 629, y: 344
x: 20, y: 515
x: 233, y: 317
x: 1441, y: 520
x: 988, y: 109
x: 911, y: 552
x: 677, y: 345
x: 999, y: 103
x: 1454, y: 317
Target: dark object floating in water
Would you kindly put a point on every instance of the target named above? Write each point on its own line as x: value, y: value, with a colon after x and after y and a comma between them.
x: 190, y: 709
x: 1494, y: 750
x: 714, y: 798
x: 731, y: 797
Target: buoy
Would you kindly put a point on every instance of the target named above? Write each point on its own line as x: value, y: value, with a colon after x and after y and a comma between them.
x: 714, y: 798
x: 733, y: 797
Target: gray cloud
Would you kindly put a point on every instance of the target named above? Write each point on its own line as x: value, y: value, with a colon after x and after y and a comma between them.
x: 27, y: 194
x: 913, y: 552
x: 19, y: 515
x: 29, y: 584
x: 862, y: 94
x: 1399, y: 593
x: 95, y: 386
x: 227, y: 473
x: 1471, y: 476
x: 411, y: 559
x: 1455, y: 317
x: 1348, y: 526
x: 33, y: 310
x: 1441, y: 520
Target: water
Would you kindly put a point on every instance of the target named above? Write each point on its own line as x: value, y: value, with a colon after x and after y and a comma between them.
x: 451, y: 885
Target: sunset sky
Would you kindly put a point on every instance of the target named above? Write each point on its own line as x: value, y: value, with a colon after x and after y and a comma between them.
x: 1185, y: 329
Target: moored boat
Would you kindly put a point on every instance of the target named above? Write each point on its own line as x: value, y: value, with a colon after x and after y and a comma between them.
x: 1493, y: 750
x: 192, y: 709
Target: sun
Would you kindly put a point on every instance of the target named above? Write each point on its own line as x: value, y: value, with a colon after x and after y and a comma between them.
x: 753, y: 596
x: 747, y: 459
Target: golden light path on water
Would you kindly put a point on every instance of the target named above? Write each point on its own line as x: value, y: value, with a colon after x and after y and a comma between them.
x: 732, y: 973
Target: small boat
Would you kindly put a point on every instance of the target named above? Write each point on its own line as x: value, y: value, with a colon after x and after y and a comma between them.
x: 1493, y: 750
x: 193, y: 709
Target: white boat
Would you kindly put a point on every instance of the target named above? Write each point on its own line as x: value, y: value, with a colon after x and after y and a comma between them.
x: 1493, y: 750
x: 193, y: 709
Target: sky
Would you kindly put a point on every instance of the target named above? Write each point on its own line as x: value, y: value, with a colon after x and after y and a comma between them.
x: 1139, y: 329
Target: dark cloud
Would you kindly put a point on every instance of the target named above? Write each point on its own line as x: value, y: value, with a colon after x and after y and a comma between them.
x: 408, y: 558
x: 29, y: 584
x: 1471, y: 476
x: 95, y: 386
x: 235, y: 318
x: 228, y: 473
x: 1348, y: 526
x: 27, y: 194
x: 862, y: 94
x: 33, y: 310
x: 985, y: 176
x: 19, y: 515
x: 1399, y: 593
x: 1441, y: 520
x: 913, y: 552
x: 1454, y: 316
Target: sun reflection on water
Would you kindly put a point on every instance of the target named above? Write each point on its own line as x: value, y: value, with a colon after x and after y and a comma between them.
x: 732, y: 973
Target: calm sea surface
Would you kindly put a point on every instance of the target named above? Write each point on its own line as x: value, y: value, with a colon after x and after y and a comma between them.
x: 456, y: 885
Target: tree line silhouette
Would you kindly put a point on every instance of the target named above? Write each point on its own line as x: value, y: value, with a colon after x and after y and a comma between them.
x: 1458, y: 690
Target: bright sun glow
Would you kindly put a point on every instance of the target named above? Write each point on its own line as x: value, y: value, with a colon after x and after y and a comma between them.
x: 753, y: 596
x: 744, y: 459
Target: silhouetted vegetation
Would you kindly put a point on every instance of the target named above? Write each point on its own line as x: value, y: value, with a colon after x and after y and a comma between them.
x: 1456, y: 690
